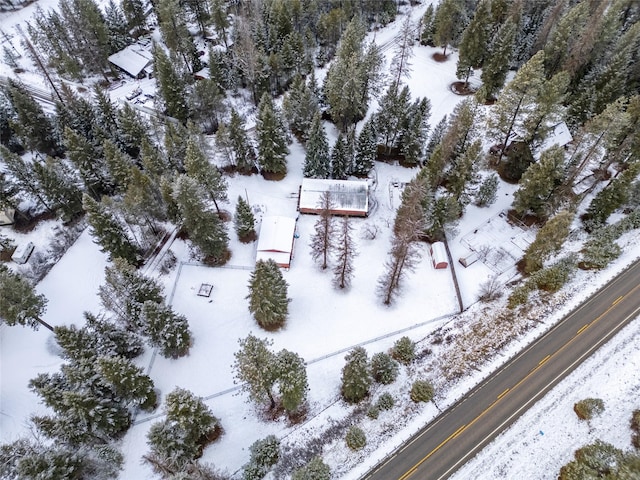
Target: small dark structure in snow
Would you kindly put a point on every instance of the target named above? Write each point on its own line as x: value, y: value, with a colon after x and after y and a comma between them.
x: 438, y: 255
x: 205, y: 290
x: 277, y: 235
x: 349, y: 197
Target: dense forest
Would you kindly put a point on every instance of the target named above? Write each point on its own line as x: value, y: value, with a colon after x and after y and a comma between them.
x: 131, y: 178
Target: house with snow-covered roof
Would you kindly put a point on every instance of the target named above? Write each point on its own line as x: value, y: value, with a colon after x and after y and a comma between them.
x: 349, y: 197
x: 133, y: 60
x: 277, y: 235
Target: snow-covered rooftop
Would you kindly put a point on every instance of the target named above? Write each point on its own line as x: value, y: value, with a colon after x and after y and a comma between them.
x: 276, y: 239
x: 348, y: 196
x: 132, y: 59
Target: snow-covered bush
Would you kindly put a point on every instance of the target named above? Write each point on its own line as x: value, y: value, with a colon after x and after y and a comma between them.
x: 356, y: 439
x: 421, y: 391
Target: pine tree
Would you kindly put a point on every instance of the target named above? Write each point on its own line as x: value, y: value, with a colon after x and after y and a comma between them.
x: 20, y: 303
x: 204, y: 227
x: 207, y: 175
x: 267, y: 296
x: 188, y: 427
x: 255, y: 368
x: 133, y: 130
x: 463, y: 175
x: 316, y: 469
x: 401, y: 61
x: 33, y: 126
x: 391, y: 116
x: 127, y: 381
x: 447, y: 24
x: 117, y: 27
x: 366, y: 150
x: 124, y: 292
x: 384, y: 369
x: 487, y: 192
x: 300, y: 106
x: 59, y: 185
x: 22, y: 179
x: 415, y: 129
x: 244, y: 221
x: 549, y: 240
x: 474, y: 42
x: 345, y: 251
x: 171, y: 86
x: 426, y: 35
x: 356, y: 376
x: 134, y: 13
x: 175, y: 33
x: 317, y: 162
x: 292, y: 380
x: 322, y: 242
x: 516, y: 101
x: 119, y: 165
x: 89, y: 162
x: 340, y: 166
x: 108, y: 232
x: 496, y: 65
x: 538, y: 184
x: 166, y: 330
x: 272, y: 141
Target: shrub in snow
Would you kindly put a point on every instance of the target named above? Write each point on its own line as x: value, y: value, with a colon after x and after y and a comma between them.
x: 356, y: 376
x: 421, y: 391
x: 552, y: 278
x: 266, y: 451
x: 373, y: 412
x: 356, y: 439
x: 404, y: 350
x: 384, y: 368
x: 519, y: 296
x: 316, y: 469
x: 600, y: 460
x: 386, y: 401
x: 253, y: 471
x: 588, y: 408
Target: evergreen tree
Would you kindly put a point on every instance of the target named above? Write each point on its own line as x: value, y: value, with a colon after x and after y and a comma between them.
x: 144, y: 204
x: 116, y: 24
x: 384, y: 369
x: 401, y: 61
x: 171, y: 86
x: 549, y: 240
x: 272, y: 141
x: 366, y: 150
x: 245, y: 155
x: 59, y: 185
x: 23, y: 179
x: 207, y: 105
x: 447, y: 24
x: 33, y: 126
x: 317, y: 162
x: 204, y: 227
x: 119, y: 165
x: 89, y: 162
x: 166, y: 330
x: 267, y: 296
x: 98, y: 337
x: 188, y: 427
x: 516, y: 101
x: 132, y: 130
x: 244, y: 221
x: 474, y: 42
x: 487, y: 192
x: 127, y: 381
x: 255, y: 368
x: 292, y: 380
x: 356, y: 376
x: 391, y: 116
x: 352, y: 77
x: 426, y: 35
x: 345, y: 253
x: 322, y: 242
x: 20, y: 303
x: 340, y: 165
x: 207, y: 175
x: 174, y: 30
x: 300, y: 106
x: 414, y: 132
x: 496, y: 65
x: 316, y: 469
x: 539, y: 183
x: 125, y: 291
x: 436, y: 137
x: 108, y: 232
x: 133, y: 11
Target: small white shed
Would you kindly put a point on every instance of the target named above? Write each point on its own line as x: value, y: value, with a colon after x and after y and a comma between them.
x: 277, y: 234
x: 469, y: 259
x: 438, y: 255
x: 22, y: 253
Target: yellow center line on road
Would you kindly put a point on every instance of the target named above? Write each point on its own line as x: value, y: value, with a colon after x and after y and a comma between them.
x: 413, y: 469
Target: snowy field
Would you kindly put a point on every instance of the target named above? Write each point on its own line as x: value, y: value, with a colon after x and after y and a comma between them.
x: 325, y: 323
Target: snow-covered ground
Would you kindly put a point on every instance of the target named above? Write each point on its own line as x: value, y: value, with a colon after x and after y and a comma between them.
x: 325, y: 323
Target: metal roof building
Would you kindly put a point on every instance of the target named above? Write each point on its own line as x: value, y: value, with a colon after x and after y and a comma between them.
x: 276, y: 240
x: 349, y: 197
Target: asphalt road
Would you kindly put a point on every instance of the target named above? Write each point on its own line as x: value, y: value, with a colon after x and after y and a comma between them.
x: 460, y: 432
